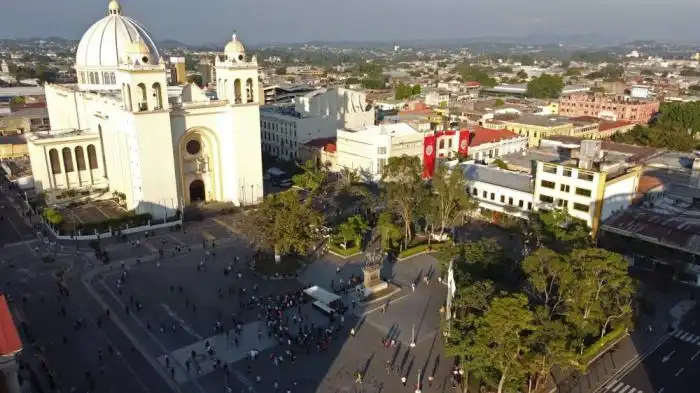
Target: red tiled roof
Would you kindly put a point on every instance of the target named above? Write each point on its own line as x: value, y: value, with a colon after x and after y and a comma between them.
x: 479, y: 136
x: 609, y: 125
x: 473, y: 84
x: 9, y: 338
x: 320, y: 142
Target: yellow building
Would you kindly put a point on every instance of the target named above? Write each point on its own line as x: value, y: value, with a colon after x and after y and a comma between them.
x: 535, y: 128
x: 13, y: 146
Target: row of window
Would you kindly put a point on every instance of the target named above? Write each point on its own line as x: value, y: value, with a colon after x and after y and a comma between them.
x: 565, y: 188
x: 492, y: 196
x: 276, y: 151
x: 237, y: 90
x: 98, y: 78
x: 67, y: 155
x: 270, y: 137
x: 275, y: 126
x: 564, y: 204
x: 567, y: 172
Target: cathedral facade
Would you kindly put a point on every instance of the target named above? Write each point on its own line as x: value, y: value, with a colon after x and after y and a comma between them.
x: 123, y: 129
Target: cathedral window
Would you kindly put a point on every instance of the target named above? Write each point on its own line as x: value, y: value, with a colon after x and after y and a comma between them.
x: 237, y: 91
x: 67, y: 160
x: 92, y: 156
x: 80, y: 158
x: 249, y: 90
x: 193, y: 147
x: 158, y: 94
x: 142, y: 96
x: 55, y: 162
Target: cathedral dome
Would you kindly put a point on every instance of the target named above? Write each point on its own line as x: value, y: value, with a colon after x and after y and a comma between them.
x: 105, y: 42
x: 234, y: 46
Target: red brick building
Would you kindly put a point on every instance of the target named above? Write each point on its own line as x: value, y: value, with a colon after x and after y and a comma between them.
x: 609, y: 108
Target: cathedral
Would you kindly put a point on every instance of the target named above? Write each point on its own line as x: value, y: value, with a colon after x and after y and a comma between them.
x: 123, y: 129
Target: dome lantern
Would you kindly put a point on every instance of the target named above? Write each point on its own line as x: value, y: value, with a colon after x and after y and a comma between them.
x: 235, y: 49
x: 114, y: 8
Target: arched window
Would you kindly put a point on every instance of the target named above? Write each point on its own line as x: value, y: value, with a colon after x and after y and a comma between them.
x: 80, y: 158
x: 442, y: 144
x: 67, y: 160
x: 92, y: 156
x: 127, y: 104
x: 237, y: 91
x: 249, y: 90
x: 92, y: 78
x: 142, y: 97
x: 158, y: 94
x: 54, y: 161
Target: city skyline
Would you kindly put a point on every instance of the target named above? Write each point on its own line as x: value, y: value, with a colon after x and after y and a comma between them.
x: 268, y: 21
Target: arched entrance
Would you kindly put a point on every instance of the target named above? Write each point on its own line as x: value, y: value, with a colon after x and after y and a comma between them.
x: 197, y: 191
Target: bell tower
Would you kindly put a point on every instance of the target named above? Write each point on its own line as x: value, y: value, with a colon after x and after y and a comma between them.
x: 236, y: 75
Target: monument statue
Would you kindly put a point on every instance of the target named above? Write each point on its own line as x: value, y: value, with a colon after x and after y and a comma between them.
x: 371, y: 270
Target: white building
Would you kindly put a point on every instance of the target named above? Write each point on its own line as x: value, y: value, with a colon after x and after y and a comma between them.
x: 118, y: 128
x: 498, y: 190
x: 318, y: 114
x: 368, y: 150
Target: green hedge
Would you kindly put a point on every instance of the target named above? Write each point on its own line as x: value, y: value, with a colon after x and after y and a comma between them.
x: 132, y: 220
x: 413, y: 250
x: 593, y: 351
x: 336, y: 248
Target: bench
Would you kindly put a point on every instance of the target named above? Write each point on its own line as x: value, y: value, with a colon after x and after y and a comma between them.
x: 323, y: 307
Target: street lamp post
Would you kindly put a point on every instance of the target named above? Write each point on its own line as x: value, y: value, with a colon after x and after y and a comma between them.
x: 418, y: 382
x: 413, y: 336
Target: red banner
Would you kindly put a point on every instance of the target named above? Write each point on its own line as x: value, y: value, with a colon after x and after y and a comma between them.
x: 463, y: 147
x: 428, y: 156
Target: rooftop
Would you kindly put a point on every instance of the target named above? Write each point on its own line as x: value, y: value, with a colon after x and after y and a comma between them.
x: 538, y: 121
x: 479, y: 136
x: 496, y: 176
x: 672, y: 221
x: 327, y: 144
x: 392, y: 129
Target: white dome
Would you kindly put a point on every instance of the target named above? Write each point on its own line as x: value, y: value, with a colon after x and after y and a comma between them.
x: 104, y: 43
x: 234, y: 46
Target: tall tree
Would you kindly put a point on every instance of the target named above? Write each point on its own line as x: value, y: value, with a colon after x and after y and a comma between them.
x: 285, y: 223
x: 545, y: 86
x: 451, y: 199
x: 499, y: 344
x: 353, y: 228
x: 404, y: 189
x: 550, y: 278
x: 389, y: 231
x: 312, y: 178
x: 603, y: 289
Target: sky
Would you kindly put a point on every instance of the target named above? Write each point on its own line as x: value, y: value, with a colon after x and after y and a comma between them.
x: 274, y: 21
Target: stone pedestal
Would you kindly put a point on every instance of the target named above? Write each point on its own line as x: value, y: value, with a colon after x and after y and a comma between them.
x: 372, y: 282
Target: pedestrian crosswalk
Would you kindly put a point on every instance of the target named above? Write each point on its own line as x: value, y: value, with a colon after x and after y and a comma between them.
x: 687, y: 337
x: 621, y: 387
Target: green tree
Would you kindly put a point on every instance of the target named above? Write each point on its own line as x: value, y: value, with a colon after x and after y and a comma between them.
x: 545, y: 86
x: 416, y: 90
x: 499, y: 102
x: 680, y: 116
x: 352, y: 80
x: 557, y: 230
x: 312, y: 178
x: 53, y: 216
x: 499, y: 346
x: 604, y: 290
x: 451, y: 200
x: 550, y: 277
x: 389, y: 231
x: 573, y: 72
x: 285, y: 223
x: 403, y: 91
x: 404, y: 190
x: 469, y: 72
x: 499, y: 163
x: 281, y: 70
x: 18, y: 100
x: 352, y: 229
x: 522, y: 74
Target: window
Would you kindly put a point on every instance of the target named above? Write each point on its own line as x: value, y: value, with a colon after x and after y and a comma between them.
x: 381, y: 163
x: 80, y: 158
x: 529, y: 206
x: 67, y: 159
x: 546, y: 198
x: 562, y: 203
x: 521, y: 204
x: 585, y: 176
x: 381, y: 150
x: 442, y: 144
x: 503, y: 199
x: 567, y: 172
x: 55, y: 162
x: 475, y: 192
x: 484, y: 194
x: 510, y: 201
x: 583, y: 192
x: 493, y: 196
x: 92, y: 156
x: 549, y: 169
x: 565, y: 188
x: 547, y: 184
x: 581, y: 207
